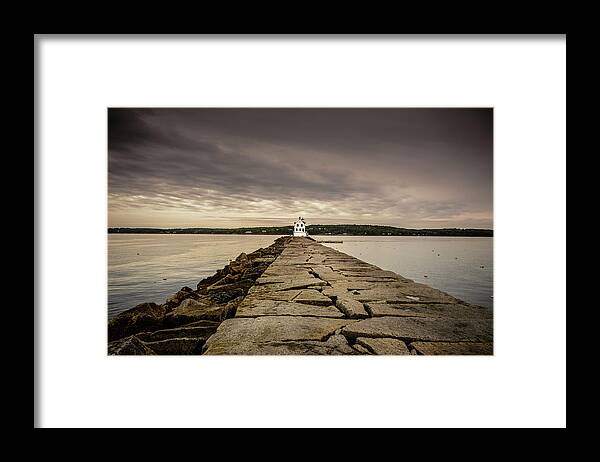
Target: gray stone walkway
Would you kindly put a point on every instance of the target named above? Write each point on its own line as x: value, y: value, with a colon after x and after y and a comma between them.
x: 316, y: 300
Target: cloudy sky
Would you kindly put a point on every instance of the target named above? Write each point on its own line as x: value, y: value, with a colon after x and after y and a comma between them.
x: 425, y: 168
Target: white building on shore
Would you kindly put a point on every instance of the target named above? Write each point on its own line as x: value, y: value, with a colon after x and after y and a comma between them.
x: 300, y: 228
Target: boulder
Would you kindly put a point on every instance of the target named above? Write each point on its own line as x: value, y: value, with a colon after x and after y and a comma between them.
x: 239, y: 264
x: 252, y: 273
x: 209, y: 281
x: 195, y: 310
x: 361, y: 349
x: 129, y: 346
x: 141, y: 318
x: 335, y: 292
x: 177, y: 298
x: 226, y: 293
x: 266, y: 260
x: 228, y: 279
x: 177, y: 346
x: 188, y: 331
x: 207, y: 324
x: 383, y: 346
x: 351, y: 308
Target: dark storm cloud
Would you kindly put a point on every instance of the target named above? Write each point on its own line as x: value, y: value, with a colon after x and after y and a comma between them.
x: 409, y: 167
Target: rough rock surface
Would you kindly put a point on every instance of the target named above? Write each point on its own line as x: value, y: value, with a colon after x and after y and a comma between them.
x: 334, y: 345
x: 145, y: 316
x: 129, y: 346
x: 236, y: 334
x: 186, y: 319
x: 383, y: 346
x: 298, y: 297
x: 196, y: 310
x: 361, y: 349
x: 192, y: 330
x: 351, y: 308
x: 419, y: 328
x: 176, y: 346
x: 435, y: 310
x: 312, y: 297
x: 292, y: 310
x: 251, y: 308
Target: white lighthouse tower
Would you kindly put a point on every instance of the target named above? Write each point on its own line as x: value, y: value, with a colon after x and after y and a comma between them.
x: 300, y: 228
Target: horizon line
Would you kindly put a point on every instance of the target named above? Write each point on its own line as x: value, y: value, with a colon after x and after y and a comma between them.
x: 282, y: 226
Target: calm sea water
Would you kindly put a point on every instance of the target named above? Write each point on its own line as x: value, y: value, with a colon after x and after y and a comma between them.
x: 151, y: 267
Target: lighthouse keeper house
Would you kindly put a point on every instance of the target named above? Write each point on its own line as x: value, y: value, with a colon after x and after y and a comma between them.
x: 300, y: 228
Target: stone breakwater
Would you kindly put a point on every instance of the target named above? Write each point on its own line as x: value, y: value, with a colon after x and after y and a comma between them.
x: 298, y: 297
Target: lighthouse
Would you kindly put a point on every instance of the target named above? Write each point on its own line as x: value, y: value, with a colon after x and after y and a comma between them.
x: 300, y: 228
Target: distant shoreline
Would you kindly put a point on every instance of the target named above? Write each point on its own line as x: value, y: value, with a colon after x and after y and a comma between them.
x: 323, y: 230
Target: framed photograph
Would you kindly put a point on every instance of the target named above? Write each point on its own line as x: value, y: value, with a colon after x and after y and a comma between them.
x: 392, y: 204
x: 295, y: 224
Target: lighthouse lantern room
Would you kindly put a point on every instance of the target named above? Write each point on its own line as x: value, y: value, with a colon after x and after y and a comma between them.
x: 300, y: 228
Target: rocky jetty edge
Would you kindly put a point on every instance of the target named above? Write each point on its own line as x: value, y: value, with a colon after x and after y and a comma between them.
x: 182, y: 324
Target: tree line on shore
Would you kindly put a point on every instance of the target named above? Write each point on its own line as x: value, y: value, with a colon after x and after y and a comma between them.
x: 333, y: 230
